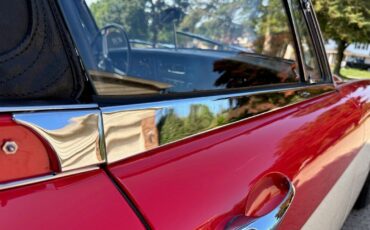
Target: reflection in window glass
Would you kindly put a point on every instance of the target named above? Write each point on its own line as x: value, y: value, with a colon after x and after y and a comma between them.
x: 172, y: 46
x: 311, y: 63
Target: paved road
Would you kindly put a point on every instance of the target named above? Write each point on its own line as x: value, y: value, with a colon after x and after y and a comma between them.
x: 358, y: 219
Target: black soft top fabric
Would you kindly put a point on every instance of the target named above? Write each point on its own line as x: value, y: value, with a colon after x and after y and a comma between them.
x: 37, y: 58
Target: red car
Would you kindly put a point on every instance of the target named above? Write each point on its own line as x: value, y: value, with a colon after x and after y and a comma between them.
x: 186, y: 114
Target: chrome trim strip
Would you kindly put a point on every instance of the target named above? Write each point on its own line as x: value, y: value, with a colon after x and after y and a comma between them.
x: 4, y: 109
x: 74, y: 135
x: 133, y: 129
x: 29, y: 181
x: 322, y: 87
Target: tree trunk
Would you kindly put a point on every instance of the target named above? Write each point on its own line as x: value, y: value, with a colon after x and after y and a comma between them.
x: 342, y: 45
x: 155, y: 21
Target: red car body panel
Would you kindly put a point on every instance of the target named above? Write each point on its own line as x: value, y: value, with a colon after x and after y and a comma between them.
x: 361, y: 94
x: 84, y: 201
x: 204, y: 181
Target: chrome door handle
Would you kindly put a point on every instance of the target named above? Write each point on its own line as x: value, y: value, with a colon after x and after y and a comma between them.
x: 267, y: 222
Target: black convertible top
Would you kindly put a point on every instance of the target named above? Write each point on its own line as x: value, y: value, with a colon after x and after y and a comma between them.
x: 37, y: 57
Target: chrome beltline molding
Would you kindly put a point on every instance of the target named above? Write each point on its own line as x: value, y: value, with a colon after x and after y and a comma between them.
x: 320, y: 88
x: 73, y: 135
x: 130, y: 130
x: 32, y: 108
x: 29, y: 181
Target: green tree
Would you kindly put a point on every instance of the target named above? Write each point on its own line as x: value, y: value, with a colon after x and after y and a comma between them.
x: 130, y: 14
x: 344, y: 21
x: 263, y: 22
x: 216, y: 19
x: 161, y: 28
x: 200, y: 118
x: 142, y: 19
x: 171, y: 128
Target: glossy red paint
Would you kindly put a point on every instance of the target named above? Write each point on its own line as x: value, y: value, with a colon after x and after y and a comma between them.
x: 85, y: 201
x: 361, y: 94
x: 204, y: 181
x: 32, y: 157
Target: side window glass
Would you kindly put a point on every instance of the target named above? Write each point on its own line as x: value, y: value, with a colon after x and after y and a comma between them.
x: 165, y: 47
x: 311, y: 63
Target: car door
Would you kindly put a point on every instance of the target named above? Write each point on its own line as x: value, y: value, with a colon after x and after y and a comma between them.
x: 205, y: 181
x: 238, y: 132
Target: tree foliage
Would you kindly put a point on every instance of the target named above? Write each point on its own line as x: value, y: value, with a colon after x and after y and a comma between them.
x: 344, y: 21
x: 124, y: 12
x: 224, y: 21
x: 173, y: 127
x: 142, y: 19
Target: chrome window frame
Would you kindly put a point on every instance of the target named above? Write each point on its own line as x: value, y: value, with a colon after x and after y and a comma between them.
x: 316, y: 37
x: 299, y: 51
x: 321, y: 46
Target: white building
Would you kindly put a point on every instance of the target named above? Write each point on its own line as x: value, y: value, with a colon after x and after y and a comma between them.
x: 359, y: 52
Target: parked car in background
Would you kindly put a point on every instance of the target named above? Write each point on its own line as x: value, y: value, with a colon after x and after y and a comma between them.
x: 357, y: 64
x: 176, y: 115
x: 356, y: 55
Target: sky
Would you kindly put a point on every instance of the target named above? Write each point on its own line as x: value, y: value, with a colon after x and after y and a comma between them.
x: 89, y: 2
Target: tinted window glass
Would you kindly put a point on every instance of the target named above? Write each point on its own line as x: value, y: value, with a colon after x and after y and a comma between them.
x: 173, y: 46
x: 310, y: 60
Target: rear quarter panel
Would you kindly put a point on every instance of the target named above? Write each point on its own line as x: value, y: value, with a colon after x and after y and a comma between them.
x: 85, y: 201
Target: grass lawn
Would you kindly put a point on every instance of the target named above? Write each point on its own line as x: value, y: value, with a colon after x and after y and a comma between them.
x: 355, y: 73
